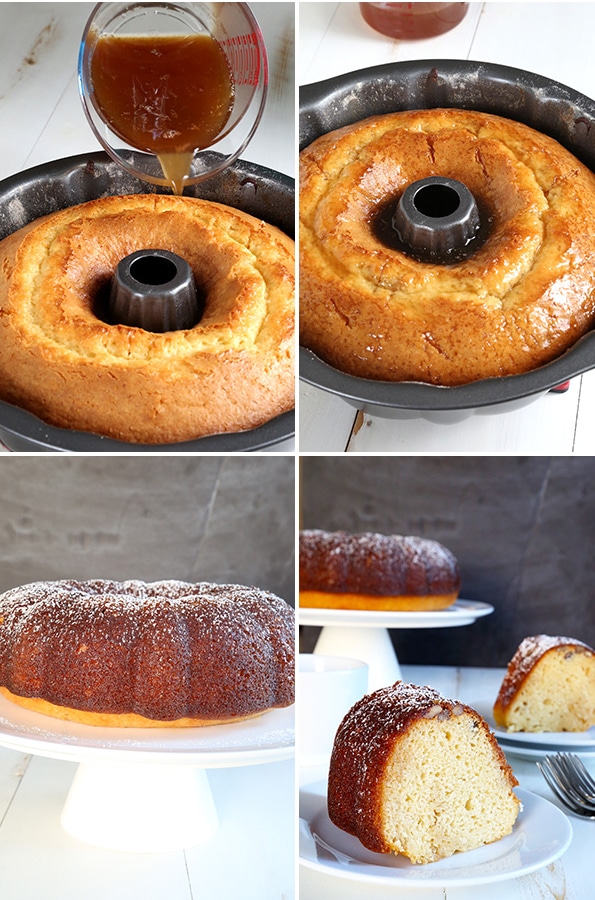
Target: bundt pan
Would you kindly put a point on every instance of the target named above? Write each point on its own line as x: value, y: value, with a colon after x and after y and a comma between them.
x: 544, y: 105
x: 56, y: 185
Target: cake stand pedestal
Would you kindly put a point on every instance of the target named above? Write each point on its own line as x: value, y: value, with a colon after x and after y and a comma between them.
x: 365, y: 634
x: 146, y: 790
x: 140, y: 808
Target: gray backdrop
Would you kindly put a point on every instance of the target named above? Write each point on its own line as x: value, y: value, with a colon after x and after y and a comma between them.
x: 522, y: 528
x: 225, y: 519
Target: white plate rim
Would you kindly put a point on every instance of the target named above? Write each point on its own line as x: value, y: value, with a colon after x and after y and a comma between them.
x: 549, y: 740
x: 534, y: 807
x: 539, y: 753
x: 263, y: 739
x: 462, y: 612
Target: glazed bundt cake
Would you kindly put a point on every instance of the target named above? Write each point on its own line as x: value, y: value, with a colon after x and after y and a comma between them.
x: 339, y: 570
x: 549, y: 686
x: 146, y: 654
x: 518, y: 293
x: 414, y: 773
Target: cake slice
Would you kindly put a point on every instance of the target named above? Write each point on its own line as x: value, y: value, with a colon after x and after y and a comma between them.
x: 549, y: 686
x: 414, y: 773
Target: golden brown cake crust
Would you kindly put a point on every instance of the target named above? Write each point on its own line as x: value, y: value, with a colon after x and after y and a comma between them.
x: 111, y: 720
x: 233, y: 371
x: 375, y: 571
x: 364, y: 742
x: 520, y: 300
x: 167, y: 652
x: 404, y: 603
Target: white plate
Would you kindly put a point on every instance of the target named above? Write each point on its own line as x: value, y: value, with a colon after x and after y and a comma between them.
x: 536, y: 752
x: 263, y: 739
x: 539, y: 742
x: 541, y: 834
x: 537, y: 745
x: 462, y: 612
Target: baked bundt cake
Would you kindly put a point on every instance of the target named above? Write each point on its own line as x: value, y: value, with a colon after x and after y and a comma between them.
x: 414, y: 773
x: 523, y: 291
x: 549, y: 686
x: 135, y: 654
x: 339, y: 570
x: 65, y: 361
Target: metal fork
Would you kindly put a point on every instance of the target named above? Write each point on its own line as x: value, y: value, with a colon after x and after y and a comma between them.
x: 571, y: 783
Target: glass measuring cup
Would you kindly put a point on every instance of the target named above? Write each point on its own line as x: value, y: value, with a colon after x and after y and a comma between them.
x: 234, y: 30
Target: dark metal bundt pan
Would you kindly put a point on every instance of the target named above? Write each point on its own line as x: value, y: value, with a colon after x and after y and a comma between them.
x: 545, y: 105
x: 45, y: 189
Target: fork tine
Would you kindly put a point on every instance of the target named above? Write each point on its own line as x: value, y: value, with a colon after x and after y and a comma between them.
x: 565, y: 767
x: 584, y: 777
x: 545, y: 769
x: 563, y: 775
x: 560, y: 791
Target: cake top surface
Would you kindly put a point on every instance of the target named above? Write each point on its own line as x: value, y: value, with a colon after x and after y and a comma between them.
x: 371, y: 308
x: 391, y: 709
x: 131, y: 592
x: 373, y: 563
x: 534, y: 646
x: 370, y: 544
x: 72, y: 604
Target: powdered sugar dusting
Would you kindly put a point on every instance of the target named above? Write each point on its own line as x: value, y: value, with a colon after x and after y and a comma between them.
x: 373, y: 563
x: 165, y: 649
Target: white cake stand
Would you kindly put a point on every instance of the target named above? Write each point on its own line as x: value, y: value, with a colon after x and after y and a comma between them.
x: 364, y: 634
x: 145, y: 790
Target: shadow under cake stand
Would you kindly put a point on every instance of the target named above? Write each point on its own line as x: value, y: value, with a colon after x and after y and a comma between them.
x: 145, y: 790
x: 365, y: 634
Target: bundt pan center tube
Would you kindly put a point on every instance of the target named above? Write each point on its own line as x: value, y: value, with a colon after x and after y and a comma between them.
x: 262, y: 193
x: 437, y: 220
x: 154, y: 290
x: 440, y: 220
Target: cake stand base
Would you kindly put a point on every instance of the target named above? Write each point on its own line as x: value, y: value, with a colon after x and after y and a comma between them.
x: 371, y: 645
x: 146, y: 790
x: 140, y: 808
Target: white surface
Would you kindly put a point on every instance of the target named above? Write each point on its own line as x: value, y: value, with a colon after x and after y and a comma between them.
x: 568, y: 878
x: 250, y: 857
x: 541, y: 834
x: 42, y: 116
x: 552, y: 39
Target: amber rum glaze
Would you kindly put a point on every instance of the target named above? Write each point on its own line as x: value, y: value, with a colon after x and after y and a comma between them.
x: 165, y: 94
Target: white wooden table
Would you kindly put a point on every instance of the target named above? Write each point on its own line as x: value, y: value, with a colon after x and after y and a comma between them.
x: 551, y: 39
x: 251, y: 857
x: 41, y: 116
x: 568, y: 878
